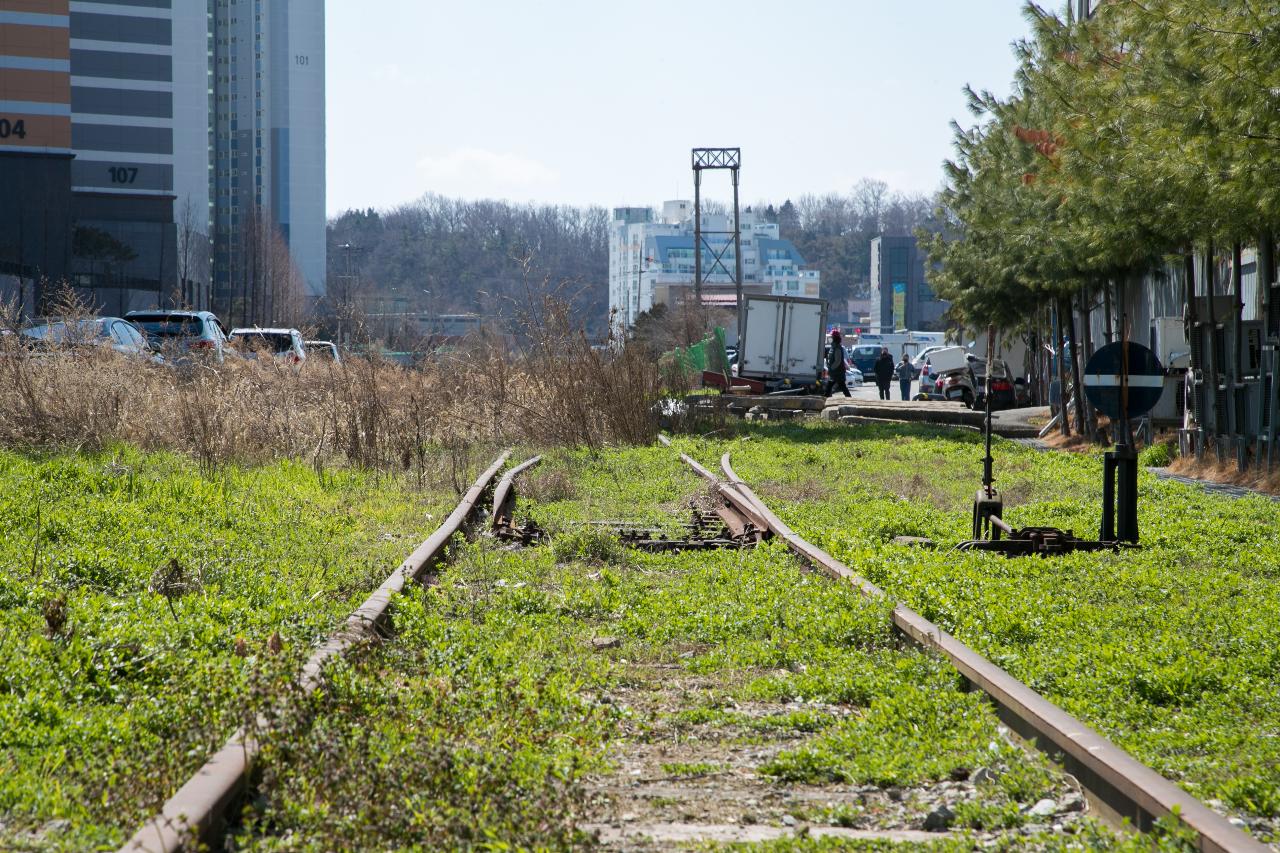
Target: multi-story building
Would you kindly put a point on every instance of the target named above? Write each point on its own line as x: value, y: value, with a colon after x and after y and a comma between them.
x: 122, y: 132
x: 147, y: 145
x: 901, y: 297
x: 35, y: 147
x: 651, y: 260
x: 268, y: 129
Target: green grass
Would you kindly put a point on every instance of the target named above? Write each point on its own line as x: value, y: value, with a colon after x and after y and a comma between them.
x: 1172, y: 650
x: 138, y: 598
x: 494, y: 678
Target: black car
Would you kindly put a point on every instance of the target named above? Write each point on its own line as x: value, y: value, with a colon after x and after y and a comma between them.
x: 1002, y: 394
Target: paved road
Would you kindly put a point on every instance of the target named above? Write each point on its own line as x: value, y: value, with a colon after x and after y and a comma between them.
x: 868, y: 391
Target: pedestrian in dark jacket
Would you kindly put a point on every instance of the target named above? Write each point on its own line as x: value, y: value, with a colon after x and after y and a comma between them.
x: 884, y: 372
x: 903, y: 372
x: 835, y: 367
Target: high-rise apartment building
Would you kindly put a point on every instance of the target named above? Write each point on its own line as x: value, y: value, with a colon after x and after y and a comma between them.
x: 268, y: 125
x: 651, y: 260
x: 150, y: 149
x: 122, y: 132
x: 35, y: 146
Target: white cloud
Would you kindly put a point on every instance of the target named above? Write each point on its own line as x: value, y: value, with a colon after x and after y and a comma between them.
x: 484, y: 170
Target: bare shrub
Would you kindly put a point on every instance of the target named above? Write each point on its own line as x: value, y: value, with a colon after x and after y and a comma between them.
x: 557, y: 389
x: 547, y: 486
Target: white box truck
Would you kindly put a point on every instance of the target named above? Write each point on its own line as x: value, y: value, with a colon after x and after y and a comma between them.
x: 782, y: 339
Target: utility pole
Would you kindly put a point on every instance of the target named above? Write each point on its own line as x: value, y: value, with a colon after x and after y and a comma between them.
x: 344, y: 309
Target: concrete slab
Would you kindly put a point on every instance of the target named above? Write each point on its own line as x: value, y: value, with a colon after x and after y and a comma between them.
x: 1010, y: 423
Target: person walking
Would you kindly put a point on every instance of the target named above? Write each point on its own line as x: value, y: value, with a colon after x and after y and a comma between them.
x: 884, y: 372
x: 903, y: 372
x: 836, y: 379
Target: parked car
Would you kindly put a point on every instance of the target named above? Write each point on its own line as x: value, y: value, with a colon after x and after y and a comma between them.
x: 1002, y: 396
x: 323, y: 350
x: 283, y: 344
x: 183, y: 333
x: 1021, y: 393
x: 956, y: 386
x: 117, y: 333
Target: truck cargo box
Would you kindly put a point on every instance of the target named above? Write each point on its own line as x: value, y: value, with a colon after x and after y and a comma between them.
x: 782, y: 338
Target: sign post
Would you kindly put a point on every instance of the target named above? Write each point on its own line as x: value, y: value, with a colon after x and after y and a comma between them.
x: 1122, y: 380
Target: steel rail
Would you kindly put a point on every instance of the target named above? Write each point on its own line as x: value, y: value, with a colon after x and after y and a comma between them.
x: 197, y: 811
x: 503, y: 497
x: 1115, y: 781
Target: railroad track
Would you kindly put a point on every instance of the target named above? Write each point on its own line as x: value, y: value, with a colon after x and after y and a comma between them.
x: 1119, y: 787
x: 197, y: 814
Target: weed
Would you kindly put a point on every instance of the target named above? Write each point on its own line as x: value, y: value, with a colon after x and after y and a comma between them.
x: 156, y: 594
x: 690, y: 770
x: 588, y: 545
x: 1169, y: 650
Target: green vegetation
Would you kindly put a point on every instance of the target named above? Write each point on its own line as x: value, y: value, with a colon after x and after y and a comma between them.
x: 1170, y: 650
x: 139, y: 601
x: 1116, y: 127
x: 498, y: 711
x: 157, y: 609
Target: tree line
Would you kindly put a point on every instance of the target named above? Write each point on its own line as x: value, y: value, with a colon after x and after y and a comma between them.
x: 445, y: 255
x: 1142, y: 133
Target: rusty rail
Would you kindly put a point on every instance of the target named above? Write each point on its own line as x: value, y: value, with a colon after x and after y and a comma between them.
x: 197, y: 812
x: 1118, y: 784
x: 504, y: 499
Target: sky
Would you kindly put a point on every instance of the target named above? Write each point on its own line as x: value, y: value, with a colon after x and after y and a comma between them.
x: 600, y: 101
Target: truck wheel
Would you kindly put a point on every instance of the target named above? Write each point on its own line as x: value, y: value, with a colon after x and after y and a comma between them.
x: 968, y: 400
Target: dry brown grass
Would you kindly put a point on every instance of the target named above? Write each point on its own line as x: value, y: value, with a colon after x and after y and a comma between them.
x: 555, y: 391
x: 1227, y: 473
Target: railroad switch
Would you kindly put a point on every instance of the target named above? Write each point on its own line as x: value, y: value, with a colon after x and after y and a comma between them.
x: 988, y: 506
x: 708, y: 529
x: 523, y: 534
x: 1041, y: 541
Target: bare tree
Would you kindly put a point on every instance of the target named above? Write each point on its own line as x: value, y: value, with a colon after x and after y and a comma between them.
x: 193, y: 254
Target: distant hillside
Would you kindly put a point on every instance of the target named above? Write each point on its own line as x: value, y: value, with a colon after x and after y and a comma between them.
x: 453, y: 256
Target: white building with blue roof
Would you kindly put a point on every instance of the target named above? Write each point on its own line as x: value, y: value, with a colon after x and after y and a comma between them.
x: 651, y: 260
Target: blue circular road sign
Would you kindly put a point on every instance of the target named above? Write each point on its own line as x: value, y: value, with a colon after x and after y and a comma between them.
x: 1119, y: 381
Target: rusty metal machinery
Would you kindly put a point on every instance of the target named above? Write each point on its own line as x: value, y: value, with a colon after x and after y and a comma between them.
x: 1040, y: 541
x: 722, y: 526
x: 992, y: 533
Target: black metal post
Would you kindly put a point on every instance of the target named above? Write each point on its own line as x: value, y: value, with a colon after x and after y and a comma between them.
x: 1108, y: 531
x: 737, y: 256
x: 988, y: 477
x: 697, y: 233
x: 1127, y: 494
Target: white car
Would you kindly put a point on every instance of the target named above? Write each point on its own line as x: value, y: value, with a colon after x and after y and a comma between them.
x: 284, y: 344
